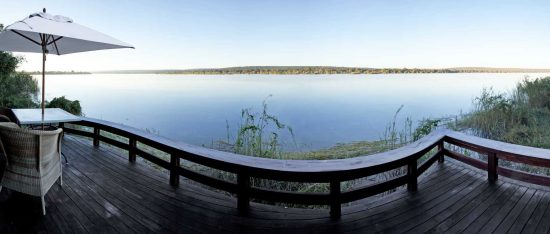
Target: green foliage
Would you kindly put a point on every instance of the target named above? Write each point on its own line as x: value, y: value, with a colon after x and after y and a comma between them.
x: 536, y: 93
x: 72, y: 107
x: 394, y: 136
x: 8, y: 63
x: 425, y: 127
x: 520, y: 117
x: 258, y: 134
x: 18, y: 89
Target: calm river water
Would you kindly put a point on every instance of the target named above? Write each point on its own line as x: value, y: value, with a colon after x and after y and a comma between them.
x: 322, y: 109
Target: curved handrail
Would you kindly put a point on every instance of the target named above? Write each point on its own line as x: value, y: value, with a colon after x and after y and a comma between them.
x: 332, y: 171
x: 258, y: 166
x: 510, y: 151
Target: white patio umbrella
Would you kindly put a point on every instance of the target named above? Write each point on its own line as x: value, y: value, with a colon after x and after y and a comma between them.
x: 48, y: 34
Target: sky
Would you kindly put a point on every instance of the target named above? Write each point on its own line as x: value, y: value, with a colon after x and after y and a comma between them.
x: 385, y: 33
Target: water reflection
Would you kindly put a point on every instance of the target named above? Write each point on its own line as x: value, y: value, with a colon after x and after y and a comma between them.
x: 322, y: 109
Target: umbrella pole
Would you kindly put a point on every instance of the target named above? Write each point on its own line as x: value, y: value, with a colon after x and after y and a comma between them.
x: 44, y: 40
x: 43, y: 80
x: 43, y: 37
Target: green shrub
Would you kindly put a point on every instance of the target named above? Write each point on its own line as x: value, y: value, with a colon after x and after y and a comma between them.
x: 520, y: 117
x: 72, y: 107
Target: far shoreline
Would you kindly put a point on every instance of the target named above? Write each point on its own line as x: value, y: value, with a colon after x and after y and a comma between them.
x: 318, y: 70
x: 304, y: 70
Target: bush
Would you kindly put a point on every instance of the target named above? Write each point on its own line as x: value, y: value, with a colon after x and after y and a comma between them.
x: 535, y: 94
x: 521, y: 117
x: 72, y: 107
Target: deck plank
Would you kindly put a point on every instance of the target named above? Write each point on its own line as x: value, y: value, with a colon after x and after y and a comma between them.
x: 487, y: 207
x: 492, y: 217
x: 379, y: 215
x: 544, y: 226
x: 522, y: 218
x: 457, y: 211
x: 537, y: 215
x: 507, y: 210
x: 409, y: 220
x: 117, y: 202
x: 104, y: 193
x: 451, y: 219
x: 165, y: 210
x: 515, y: 211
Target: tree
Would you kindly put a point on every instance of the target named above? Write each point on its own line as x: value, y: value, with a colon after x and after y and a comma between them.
x: 17, y: 89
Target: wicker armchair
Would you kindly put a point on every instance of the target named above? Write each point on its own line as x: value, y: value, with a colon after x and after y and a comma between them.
x: 6, y: 115
x: 33, y: 160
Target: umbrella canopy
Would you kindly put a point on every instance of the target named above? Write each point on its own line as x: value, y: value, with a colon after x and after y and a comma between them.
x: 59, y: 33
x: 48, y: 34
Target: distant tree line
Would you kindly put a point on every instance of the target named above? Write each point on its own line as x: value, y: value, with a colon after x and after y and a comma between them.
x: 308, y: 70
x: 292, y: 70
x: 60, y: 73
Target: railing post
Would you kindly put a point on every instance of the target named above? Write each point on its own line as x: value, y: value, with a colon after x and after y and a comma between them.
x: 96, y: 136
x: 412, y: 174
x: 243, y: 194
x: 132, y: 150
x: 174, y: 175
x: 335, y: 206
x: 440, y: 147
x: 492, y: 165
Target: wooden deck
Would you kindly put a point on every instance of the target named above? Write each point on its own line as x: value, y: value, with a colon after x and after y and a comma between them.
x: 104, y: 193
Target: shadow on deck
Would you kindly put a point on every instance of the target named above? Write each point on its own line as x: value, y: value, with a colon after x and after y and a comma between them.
x: 103, y: 192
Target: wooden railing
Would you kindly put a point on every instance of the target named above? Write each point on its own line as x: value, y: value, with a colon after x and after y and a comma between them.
x: 495, y: 151
x: 431, y: 148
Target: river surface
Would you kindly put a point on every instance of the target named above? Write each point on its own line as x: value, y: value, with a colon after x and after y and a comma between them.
x: 323, y: 110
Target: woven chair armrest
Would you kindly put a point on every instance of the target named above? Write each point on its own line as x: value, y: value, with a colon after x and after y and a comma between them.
x: 4, y: 118
x: 3, y: 160
x: 50, y: 149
